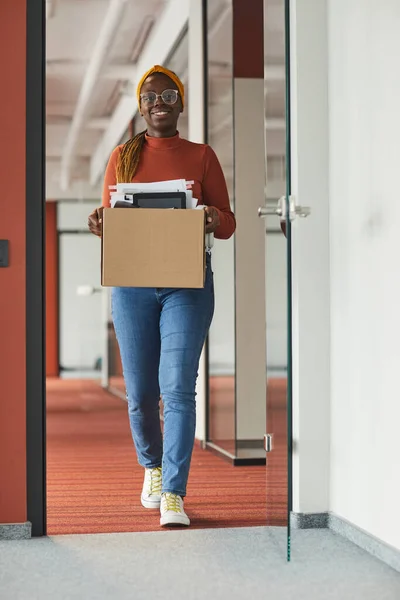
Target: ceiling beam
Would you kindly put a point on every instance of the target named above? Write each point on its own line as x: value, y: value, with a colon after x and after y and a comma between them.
x: 106, y: 36
x: 161, y: 42
x: 125, y: 72
x: 77, y: 68
x: 100, y: 123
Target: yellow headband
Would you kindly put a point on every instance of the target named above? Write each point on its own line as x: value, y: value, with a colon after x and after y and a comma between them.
x: 168, y: 73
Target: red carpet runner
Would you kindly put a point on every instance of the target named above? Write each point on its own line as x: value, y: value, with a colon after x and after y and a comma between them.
x: 94, y: 481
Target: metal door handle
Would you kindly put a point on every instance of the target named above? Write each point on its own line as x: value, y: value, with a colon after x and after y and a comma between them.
x: 265, y: 211
x: 278, y: 209
x: 281, y: 211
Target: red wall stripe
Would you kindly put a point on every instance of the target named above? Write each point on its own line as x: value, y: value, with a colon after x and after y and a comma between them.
x: 12, y: 279
x: 248, y: 39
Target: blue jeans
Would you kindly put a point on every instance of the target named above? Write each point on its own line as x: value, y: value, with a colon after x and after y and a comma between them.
x: 161, y: 333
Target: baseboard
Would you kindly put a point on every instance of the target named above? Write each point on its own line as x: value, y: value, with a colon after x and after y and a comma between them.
x: 359, y: 537
x: 253, y: 444
x: 309, y: 520
x: 366, y: 541
x: 15, y: 531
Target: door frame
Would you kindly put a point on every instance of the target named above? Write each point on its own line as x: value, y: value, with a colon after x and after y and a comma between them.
x: 288, y: 234
x: 35, y: 266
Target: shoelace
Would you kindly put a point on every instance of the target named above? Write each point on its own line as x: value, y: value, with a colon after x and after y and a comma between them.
x: 172, y: 502
x: 155, y: 481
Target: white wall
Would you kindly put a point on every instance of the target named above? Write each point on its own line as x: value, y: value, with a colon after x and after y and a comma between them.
x: 81, y: 331
x: 74, y: 215
x: 222, y: 332
x: 365, y: 277
x: 81, y: 317
x: 310, y: 256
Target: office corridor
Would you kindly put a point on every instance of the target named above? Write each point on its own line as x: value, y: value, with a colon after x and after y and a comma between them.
x: 94, y: 481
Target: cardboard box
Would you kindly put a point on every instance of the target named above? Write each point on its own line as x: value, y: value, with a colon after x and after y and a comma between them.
x: 158, y: 248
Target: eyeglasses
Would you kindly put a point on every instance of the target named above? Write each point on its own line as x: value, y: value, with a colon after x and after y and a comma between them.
x: 167, y: 96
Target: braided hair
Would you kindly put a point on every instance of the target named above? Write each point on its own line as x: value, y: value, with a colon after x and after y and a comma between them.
x: 129, y: 158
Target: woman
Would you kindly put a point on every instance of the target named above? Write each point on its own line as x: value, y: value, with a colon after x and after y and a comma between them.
x: 161, y: 332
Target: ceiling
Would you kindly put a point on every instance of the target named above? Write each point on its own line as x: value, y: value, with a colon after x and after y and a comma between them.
x: 73, y: 27
x: 93, y: 49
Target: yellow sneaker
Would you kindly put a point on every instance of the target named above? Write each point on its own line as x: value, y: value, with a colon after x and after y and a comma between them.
x: 172, y: 512
x: 151, y: 492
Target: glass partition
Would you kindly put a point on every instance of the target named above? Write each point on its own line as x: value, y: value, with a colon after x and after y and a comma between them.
x: 278, y: 265
x: 221, y: 419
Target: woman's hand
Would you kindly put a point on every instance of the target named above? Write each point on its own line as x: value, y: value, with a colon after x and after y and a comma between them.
x: 95, y: 220
x: 212, y: 219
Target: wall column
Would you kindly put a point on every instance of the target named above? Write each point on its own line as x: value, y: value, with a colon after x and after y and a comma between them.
x: 22, y: 362
x: 249, y: 181
x: 13, y: 507
x: 310, y: 256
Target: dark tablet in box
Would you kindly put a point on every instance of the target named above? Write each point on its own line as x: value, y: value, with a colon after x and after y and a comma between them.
x: 156, y: 200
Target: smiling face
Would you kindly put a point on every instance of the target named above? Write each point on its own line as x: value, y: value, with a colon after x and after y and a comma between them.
x: 161, y: 117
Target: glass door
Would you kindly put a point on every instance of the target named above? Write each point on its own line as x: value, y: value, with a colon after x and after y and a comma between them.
x: 278, y: 439
x: 221, y: 410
